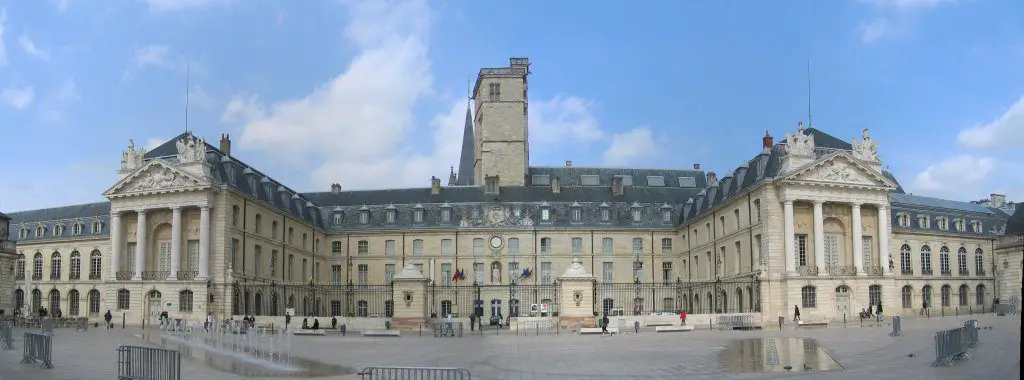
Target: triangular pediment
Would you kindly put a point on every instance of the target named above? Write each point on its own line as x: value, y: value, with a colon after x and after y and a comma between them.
x: 840, y: 168
x: 156, y: 176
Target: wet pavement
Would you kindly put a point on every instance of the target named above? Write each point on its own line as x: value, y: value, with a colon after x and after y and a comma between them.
x: 761, y: 355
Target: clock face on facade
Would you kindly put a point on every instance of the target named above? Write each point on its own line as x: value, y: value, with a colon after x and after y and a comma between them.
x: 496, y: 242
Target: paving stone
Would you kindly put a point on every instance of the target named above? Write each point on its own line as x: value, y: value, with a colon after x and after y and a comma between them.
x: 864, y: 352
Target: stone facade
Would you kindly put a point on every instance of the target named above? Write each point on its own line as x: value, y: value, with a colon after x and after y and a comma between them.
x: 812, y: 221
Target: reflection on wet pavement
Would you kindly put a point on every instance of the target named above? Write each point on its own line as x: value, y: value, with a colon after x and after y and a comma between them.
x: 300, y: 367
x: 776, y: 355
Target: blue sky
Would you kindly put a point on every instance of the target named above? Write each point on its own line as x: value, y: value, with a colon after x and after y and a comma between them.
x: 372, y: 94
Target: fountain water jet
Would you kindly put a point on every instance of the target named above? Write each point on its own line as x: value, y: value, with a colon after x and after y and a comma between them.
x: 255, y: 346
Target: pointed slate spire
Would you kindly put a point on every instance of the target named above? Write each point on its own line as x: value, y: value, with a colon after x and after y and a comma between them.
x: 468, y: 159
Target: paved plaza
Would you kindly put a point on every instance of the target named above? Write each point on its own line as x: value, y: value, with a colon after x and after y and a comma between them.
x: 864, y: 353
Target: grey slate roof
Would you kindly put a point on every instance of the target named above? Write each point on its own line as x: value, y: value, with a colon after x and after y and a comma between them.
x: 467, y: 160
x: 4, y: 216
x: 67, y: 215
x: 916, y: 205
x: 1016, y: 223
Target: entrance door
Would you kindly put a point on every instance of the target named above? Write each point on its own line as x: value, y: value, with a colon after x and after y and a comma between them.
x: 843, y: 302
x: 153, y: 307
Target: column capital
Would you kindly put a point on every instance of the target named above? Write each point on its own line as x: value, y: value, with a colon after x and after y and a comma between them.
x: 141, y: 210
x: 176, y: 208
x: 856, y: 204
x: 882, y: 206
x: 818, y: 202
x: 115, y: 215
x: 787, y: 201
x: 204, y: 207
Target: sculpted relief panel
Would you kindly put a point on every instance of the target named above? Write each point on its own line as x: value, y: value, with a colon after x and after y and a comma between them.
x: 159, y: 177
x: 497, y: 216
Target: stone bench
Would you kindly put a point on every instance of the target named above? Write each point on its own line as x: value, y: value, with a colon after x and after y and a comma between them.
x: 812, y: 325
x: 660, y: 324
x: 388, y: 333
x: 597, y: 330
x: 310, y: 332
x: 673, y: 328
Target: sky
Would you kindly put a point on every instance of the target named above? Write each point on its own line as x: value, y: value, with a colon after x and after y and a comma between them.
x: 372, y: 94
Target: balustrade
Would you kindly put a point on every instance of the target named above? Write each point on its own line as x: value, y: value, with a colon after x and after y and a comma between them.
x: 874, y: 271
x: 187, y: 275
x: 155, y: 275
x: 809, y: 270
x: 124, y: 275
x: 19, y: 277
x: 927, y: 271
x: 95, y: 276
x: 965, y: 272
x: 841, y: 270
x: 907, y: 272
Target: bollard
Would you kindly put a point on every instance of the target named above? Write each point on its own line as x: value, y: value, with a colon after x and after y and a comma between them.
x: 844, y: 320
x: 782, y: 320
x: 123, y: 319
x: 957, y: 311
x: 897, y: 329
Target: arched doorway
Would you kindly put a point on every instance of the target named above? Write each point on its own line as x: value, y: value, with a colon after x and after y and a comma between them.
x: 154, y: 305
x: 843, y: 301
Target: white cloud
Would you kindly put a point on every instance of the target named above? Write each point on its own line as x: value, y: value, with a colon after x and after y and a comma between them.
x: 966, y: 171
x: 178, y: 5
x: 876, y: 29
x: 198, y: 97
x: 906, y: 5
x: 52, y: 107
x: 30, y: 48
x: 242, y: 108
x: 68, y: 91
x: 3, y: 46
x: 632, y: 147
x: 564, y: 119
x: 18, y: 98
x: 1005, y: 132
x: 893, y: 17
x: 62, y: 5
x: 159, y: 57
x: 154, y: 142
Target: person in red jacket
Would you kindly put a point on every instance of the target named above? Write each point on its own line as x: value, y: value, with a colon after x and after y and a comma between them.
x: 682, y: 317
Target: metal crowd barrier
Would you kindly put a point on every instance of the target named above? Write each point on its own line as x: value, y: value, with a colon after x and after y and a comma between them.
x: 38, y: 347
x: 47, y: 325
x: 147, y: 363
x: 441, y: 329
x: 401, y: 373
x: 729, y: 322
x: 971, y: 328
x: 951, y: 345
x: 897, y: 329
x: 82, y: 324
x: 6, y: 336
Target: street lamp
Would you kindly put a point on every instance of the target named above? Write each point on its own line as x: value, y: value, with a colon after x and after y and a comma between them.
x: 638, y: 266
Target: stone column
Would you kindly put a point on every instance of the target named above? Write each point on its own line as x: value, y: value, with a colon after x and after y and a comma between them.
x: 204, y: 242
x: 140, y: 244
x: 883, y: 237
x: 858, y: 240
x: 116, y: 243
x: 175, y: 242
x: 819, y: 238
x: 790, y: 239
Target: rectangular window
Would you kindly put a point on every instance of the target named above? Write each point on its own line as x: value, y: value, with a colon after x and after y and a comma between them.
x: 335, y: 248
x: 666, y: 272
x: 638, y: 245
x: 478, y: 273
x: 666, y: 245
x: 236, y: 263
x: 801, y: 250
x: 757, y: 209
x: 608, y: 271
x: 363, y: 248
x: 446, y: 273
x: 419, y: 267
x: 363, y: 273
x: 193, y: 255
x: 389, y: 273
x: 446, y: 215
x: 417, y: 247
x: 164, y: 256
x: 868, y: 252
x: 494, y: 92
x: 545, y: 245
x: 290, y: 272
x: 305, y: 275
x: 478, y: 247
x: 606, y: 215
x: 335, y: 274
x: 272, y: 268
x: 607, y: 245
x: 577, y: 245
x: 257, y: 261
x: 129, y: 252
x: 545, y: 273
x: 417, y: 216
x: 447, y: 249
x: 389, y: 248
x: 513, y: 245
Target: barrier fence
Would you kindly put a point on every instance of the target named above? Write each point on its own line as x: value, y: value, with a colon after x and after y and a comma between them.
x: 264, y: 298
x: 38, y: 347
x: 735, y: 322
x: 952, y: 345
x: 442, y: 329
x: 147, y: 363
x: 82, y: 324
x: 47, y: 325
x: 401, y: 373
x: 897, y: 328
x: 6, y: 336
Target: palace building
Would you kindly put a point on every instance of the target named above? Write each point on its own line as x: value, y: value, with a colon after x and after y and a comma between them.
x: 811, y: 221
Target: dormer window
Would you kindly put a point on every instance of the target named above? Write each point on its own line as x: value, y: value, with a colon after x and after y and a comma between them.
x: 636, y: 211
x: 976, y: 226
x: 666, y: 213
x: 545, y: 212
x: 58, y: 230
x: 606, y: 213
x: 390, y: 214
x: 903, y: 219
x: 577, y: 212
x: 336, y: 218
x: 40, y: 231
x: 417, y: 214
x: 97, y: 226
x: 942, y: 223
x: 446, y: 213
x: 364, y: 215
x: 960, y: 225
x: 23, y: 233
x: 76, y: 228
x: 924, y: 222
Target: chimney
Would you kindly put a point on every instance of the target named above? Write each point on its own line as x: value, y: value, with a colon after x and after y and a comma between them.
x: 712, y: 179
x: 225, y: 143
x: 435, y: 185
x: 767, y: 141
x: 335, y: 188
x: 568, y: 163
x: 696, y: 167
x: 617, y: 186
x: 556, y: 185
x: 998, y: 200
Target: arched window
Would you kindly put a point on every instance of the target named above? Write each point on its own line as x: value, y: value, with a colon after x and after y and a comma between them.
x: 19, y: 270
x: 124, y: 298
x: 979, y: 262
x: 76, y: 267
x: 926, y: 296
x: 963, y: 292
x: 961, y: 261
x: 907, y: 296
x: 257, y: 303
x: 944, y: 261
x: 37, y: 299
x: 185, y: 301
x: 808, y: 297
x: 874, y: 295
x: 54, y: 300
x: 979, y: 295
x: 926, y: 259
x: 446, y: 308
x: 19, y: 298
x: 73, y: 302
x: 274, y: 304
x: 905, y: 267
x: 362, y: 309
x: 945, y: 294
x: 94, y: 302
x: 37, y: 266
x: 55, y: 261
x: 95, y: 265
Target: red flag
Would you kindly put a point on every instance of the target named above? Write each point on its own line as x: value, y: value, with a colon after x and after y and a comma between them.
x: 455, y: 277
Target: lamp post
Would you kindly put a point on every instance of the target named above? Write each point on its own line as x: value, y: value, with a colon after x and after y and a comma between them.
x: 638, y: 266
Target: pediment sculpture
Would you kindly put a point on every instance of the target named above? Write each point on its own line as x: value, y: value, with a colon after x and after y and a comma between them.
x: 132, y: 158
x: 866, y: 149
x: 191, y: 150
x: 800, y: 143
x: 496, y: 216
x: 160, y: 178
x: 834, y: 172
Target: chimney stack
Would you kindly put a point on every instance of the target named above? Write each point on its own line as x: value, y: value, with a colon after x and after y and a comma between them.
x: 767, y: 142
x: 617, y: 188
x: 556, y: 185
x: 998, y: 200
x: 335, y: 188
x: 696, y: 167
x: 712, y: 179
x: 435, y: 185
x: 568, y: 163
x: 225, y: 143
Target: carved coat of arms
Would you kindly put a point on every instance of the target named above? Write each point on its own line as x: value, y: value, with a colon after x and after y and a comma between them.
x: 407, y: 297
x: 577, y: 296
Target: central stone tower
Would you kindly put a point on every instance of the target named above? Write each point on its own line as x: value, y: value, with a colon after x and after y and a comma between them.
x: 501, y: 133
